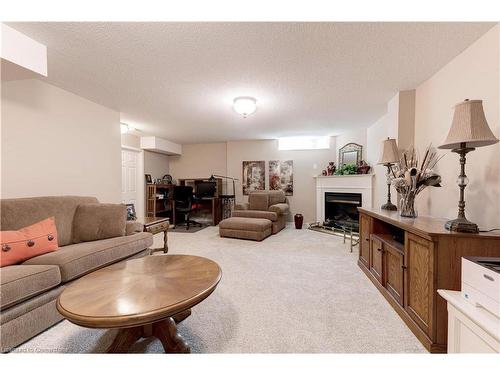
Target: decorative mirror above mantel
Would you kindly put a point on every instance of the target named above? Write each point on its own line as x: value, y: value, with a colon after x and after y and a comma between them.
x: 351, y: 153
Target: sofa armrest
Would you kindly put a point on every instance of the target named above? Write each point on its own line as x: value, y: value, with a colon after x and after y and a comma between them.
x: 241, y: 206
x: 280, y: 208
x: 132, y: 227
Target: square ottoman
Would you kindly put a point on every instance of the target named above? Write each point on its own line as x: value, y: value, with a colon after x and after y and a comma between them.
x: 245, y: 228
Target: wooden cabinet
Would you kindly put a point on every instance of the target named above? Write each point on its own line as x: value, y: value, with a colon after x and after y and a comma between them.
x: 377, y: 259
x: 364, y: 239
x: 419, y: 281
x: 408, y: 260
x: 387, y: 264
x: 394, y: 272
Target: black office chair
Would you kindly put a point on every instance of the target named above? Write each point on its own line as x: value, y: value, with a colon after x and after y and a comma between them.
x: 183, y: 201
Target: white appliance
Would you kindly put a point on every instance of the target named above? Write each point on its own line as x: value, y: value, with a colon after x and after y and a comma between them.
x: 481, y: 282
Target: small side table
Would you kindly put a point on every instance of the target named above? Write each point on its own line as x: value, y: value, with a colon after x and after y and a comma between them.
x: 156, y: 225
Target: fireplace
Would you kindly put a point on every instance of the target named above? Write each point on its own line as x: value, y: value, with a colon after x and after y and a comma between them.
x: 341, y: 210
x: 359, y: 184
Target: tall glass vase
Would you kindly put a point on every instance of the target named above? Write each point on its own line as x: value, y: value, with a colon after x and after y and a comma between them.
x: 407, y: 205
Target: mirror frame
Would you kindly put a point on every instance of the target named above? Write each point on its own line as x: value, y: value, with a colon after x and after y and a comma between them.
x: 350, y: 147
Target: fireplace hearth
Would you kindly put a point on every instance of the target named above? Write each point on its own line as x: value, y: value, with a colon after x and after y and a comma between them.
x: 341, y: 210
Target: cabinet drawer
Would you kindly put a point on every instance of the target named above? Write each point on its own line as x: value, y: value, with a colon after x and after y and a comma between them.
x: 157, y: 228
x: 377, y: 259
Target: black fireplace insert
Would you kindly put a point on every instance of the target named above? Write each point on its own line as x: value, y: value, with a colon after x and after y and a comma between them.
x: 341, y: 210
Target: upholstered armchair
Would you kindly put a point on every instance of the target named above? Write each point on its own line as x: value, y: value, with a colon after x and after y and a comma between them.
x: 265, y: 204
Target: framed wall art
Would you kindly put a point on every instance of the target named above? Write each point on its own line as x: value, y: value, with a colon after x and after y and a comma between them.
x: 281, y: 176
x: 253, y: 176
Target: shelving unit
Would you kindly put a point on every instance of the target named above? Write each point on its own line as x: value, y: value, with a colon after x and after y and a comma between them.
x: 212, y: 204
x: 156, y: 206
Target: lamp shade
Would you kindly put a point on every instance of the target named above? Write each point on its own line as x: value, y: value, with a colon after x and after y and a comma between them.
x: 469, y: 126
x: 390, y: 152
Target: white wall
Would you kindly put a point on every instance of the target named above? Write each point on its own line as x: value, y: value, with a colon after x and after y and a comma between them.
x: 474, y: 74
x: 130, y: 140
x: 199, y: 161
x: 386, y: 126
x: 306, y: 165
x: 156, y: 164
x: 355, y: 136
x: 25, y: 55
x: 398, y: 123
x: 57, y: 143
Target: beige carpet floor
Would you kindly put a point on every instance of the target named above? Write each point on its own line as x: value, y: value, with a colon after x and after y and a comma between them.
x: 296, y: 292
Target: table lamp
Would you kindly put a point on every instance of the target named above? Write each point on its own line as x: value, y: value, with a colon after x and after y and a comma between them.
x: 469, y: 129
x: 390, y: 156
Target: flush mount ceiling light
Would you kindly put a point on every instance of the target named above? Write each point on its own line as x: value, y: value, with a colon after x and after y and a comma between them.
x: 245, y: 105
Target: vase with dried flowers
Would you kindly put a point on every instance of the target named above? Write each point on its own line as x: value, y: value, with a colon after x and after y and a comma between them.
x: 410, y: 177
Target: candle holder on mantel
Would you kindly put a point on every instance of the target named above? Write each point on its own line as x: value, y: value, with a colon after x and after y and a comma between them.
x: 390, y: 155
x: 469, y: 129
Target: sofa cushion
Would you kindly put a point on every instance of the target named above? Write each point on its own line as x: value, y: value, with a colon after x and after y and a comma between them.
x: 18, y: 283
x: 276, y: 196
x: 21, y: 212
x: 256, y: 214
x: 241, y: 206
x: 98, y: 221
x: 244, y: 223
x: 28, y: 242
x: 132, y: 227
x: 280, y: 208
x: 258, y: 201
x: 78, y: 259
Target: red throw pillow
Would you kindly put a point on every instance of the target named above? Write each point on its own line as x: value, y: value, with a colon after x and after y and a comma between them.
x: 23, y: 244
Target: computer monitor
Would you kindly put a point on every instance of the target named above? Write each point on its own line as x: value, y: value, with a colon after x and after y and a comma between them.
x: 205, y: 189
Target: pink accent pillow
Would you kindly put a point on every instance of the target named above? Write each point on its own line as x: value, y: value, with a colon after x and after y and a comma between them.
x: 31, y: 241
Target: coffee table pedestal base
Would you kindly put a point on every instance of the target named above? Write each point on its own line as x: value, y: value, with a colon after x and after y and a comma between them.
x: 164, y: 330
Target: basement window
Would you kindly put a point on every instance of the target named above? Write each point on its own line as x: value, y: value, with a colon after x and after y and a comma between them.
x: 304, y: 143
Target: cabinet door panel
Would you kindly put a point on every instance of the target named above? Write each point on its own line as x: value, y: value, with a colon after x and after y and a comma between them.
x: 419, y: 281
x: 394, y: 273
x: 377, y: 260
x: 364, y: 243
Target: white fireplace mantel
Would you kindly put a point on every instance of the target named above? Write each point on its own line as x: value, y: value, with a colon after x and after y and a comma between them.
x: 357, y: 183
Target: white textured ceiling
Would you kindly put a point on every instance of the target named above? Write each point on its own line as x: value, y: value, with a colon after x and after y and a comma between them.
x: 177, y: 80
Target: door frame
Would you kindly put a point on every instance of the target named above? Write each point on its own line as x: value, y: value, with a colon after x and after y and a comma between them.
x: 140, y: 207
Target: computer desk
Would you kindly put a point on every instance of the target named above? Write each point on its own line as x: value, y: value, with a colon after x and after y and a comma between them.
x: 215, y: 208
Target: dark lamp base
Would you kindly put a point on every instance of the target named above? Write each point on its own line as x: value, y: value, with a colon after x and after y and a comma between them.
x: 389, y: 206
x: 461, y: 225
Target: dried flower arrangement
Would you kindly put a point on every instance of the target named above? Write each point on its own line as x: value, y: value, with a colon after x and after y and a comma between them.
x: 409, y: 177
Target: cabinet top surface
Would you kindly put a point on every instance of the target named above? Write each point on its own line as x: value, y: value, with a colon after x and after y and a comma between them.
x: 489, y: 322
x: 423, y: 224
x: 155, y: 220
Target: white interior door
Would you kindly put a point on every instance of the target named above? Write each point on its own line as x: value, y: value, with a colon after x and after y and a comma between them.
x: 130, y: 193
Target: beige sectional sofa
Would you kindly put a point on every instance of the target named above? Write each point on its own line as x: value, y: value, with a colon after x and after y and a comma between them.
x: 28, y: 291
x: 266, y: 204
x: 265, y: 213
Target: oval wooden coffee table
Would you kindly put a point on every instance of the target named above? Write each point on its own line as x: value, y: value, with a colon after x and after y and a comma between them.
x: 143, y: 297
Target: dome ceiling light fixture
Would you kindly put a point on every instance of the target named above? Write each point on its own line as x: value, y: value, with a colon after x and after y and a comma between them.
x: 245, y: 105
